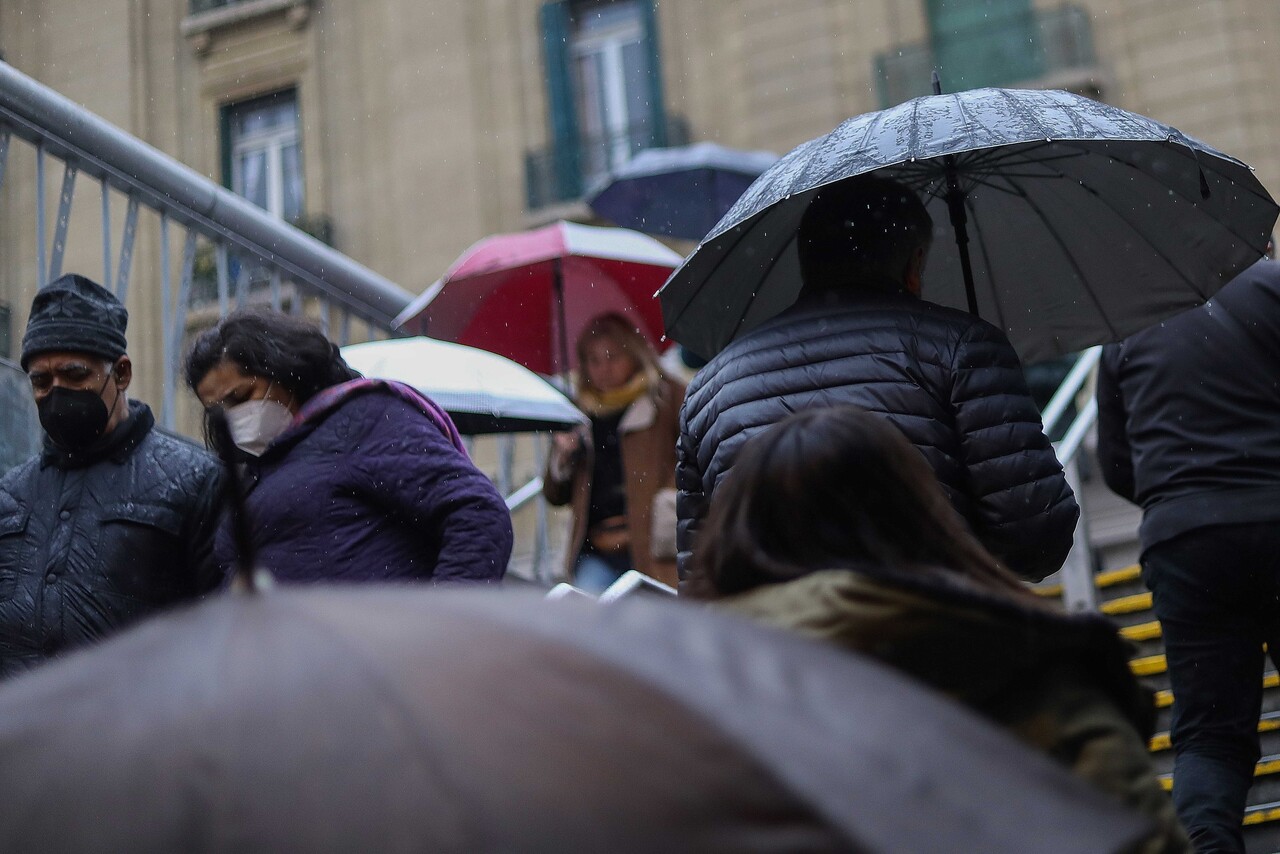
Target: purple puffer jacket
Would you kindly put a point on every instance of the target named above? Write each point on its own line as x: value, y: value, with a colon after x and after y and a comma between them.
x: 372, y: 485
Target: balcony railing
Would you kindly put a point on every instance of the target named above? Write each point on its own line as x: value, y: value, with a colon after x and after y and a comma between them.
x: 1044, y: 42
x: 198, y: 6
x: 563, y: 173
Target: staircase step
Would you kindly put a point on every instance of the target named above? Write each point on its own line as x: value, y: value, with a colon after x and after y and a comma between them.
x: 1267, y: 766
x: 1269, y: 722
x: 1131, y: 604
x: 1142, y: 631
x: 1149, y: 665
x: 1116, y: 577
x: 1262, y: 813
x: 1164, y: 699
x: 1103, y: 580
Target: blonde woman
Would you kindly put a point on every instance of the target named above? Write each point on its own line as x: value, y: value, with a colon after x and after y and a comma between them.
x: 619, y: 474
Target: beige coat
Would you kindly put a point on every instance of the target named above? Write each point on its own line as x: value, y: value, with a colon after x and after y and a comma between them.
x: 1061, y: 685
x: 647, y: 435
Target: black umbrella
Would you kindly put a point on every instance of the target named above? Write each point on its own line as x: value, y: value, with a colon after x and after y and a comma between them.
x: 678, y: 192
x: 1084, y: 222
x: 405, y: 719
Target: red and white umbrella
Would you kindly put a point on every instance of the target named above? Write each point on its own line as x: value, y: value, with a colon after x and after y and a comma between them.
x: 528, y: 295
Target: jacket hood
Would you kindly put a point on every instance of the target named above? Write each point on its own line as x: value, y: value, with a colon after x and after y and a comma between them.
x: 966, y: 642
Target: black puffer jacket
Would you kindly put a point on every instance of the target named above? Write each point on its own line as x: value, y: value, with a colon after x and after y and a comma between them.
x: 950, y: 382
x: 90, y: 544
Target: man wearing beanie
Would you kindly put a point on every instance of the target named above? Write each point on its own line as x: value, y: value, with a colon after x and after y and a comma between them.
x: 113, y: 519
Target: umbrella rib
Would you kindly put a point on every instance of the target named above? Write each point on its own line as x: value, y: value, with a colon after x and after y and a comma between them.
x: 1194, y: 202
x: 1084, y: 281
x: 743, y: 232
x: 1132, y: 225
x: 1176, y: 268
x: 986, y: 260
x: 747, y: 309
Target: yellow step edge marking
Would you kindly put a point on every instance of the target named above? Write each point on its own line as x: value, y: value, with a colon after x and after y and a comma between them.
x: 1268, y: 766
x: 1127, y: 604
x: 1142, y: 631
x: 1261, y: 816
x: 1111, y: 578
x: 1148, y: 665
x: 1161, y: 741
x: 1164, y: 699
x: 1118, y: 576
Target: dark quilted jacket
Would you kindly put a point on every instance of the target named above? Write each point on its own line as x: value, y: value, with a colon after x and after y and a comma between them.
x: 91, y: 545
x: 950, y: 382
x: 373, y: 491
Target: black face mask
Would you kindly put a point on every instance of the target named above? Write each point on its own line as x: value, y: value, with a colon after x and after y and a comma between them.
x: 74, y: 418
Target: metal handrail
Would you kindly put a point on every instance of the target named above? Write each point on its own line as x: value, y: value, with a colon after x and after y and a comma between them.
x: 1066, y: 393
x: 64, y: 128
x: 1080, y: 593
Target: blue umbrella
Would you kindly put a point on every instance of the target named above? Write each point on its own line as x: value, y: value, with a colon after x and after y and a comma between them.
x: 1084, y: 222
x: 678, y: 192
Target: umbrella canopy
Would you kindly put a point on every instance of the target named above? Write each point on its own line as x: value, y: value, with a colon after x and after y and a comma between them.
x: 680, y: 191
x: 527, y: 295
x: 404, y: 719
x: 481, y: 391
x: 1086, y: 222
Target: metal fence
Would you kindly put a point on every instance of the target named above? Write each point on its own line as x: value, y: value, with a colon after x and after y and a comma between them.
x: 216, y: 251
x: 190, y: 210
x: 19, y: 429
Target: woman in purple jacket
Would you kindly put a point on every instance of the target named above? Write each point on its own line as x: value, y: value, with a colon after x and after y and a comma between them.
x: 347, y: 479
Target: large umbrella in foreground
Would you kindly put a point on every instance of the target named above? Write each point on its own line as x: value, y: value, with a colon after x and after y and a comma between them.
x: 403, y: 719
x: 679, y: 192
x: 481, y: 391
x: 1084, y: 222
x: 527, y: 295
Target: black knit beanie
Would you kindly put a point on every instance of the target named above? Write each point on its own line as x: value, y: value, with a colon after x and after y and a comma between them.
x: 76, y: 315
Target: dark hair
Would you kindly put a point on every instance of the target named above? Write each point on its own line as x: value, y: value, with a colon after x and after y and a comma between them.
x: 835, y: 488
x: 286, y: 350
x: 861, y: 231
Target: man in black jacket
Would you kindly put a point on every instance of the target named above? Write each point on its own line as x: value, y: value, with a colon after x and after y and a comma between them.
x: 1189, y: 427
x: 861, y: 334
x: 113, y: 520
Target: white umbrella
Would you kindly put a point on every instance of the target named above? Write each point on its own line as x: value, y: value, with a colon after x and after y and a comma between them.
x: 482, y: 391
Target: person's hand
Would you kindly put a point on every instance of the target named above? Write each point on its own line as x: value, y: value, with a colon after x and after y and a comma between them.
x: 567, y: 445
x: 566, y: 450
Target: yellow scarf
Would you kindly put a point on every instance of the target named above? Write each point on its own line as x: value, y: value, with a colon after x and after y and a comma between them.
x: 598, y: 403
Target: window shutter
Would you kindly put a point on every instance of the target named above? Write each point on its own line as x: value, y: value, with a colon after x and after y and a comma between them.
x: 564, y: 124
x: 657, y: 110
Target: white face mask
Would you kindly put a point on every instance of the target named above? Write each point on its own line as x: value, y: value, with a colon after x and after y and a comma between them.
x: 255, y: 423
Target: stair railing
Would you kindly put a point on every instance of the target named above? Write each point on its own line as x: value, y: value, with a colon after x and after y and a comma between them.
x: 160, y: 194
x: 1079, y: 592
x: 152, y: 182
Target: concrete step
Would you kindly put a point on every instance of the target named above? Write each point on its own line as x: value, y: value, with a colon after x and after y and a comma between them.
x: 1262, y: 828
x: 1147, y: 638
x: 1268, y: 736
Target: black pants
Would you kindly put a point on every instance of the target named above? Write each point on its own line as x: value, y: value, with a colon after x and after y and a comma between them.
x: 1216, y: 591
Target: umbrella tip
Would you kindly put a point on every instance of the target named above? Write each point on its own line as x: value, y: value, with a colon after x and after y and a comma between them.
x: 936, y: 81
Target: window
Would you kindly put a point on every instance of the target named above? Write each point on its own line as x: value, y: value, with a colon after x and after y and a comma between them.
x: 984, y: 42
x: 604, y: 87
x: 611, y: 85
x: 262, y: 158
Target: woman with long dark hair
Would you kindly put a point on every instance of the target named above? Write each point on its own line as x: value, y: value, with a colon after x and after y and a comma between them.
x: 348, y: 478
x: 619, y: 476
x: 833, y: 525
